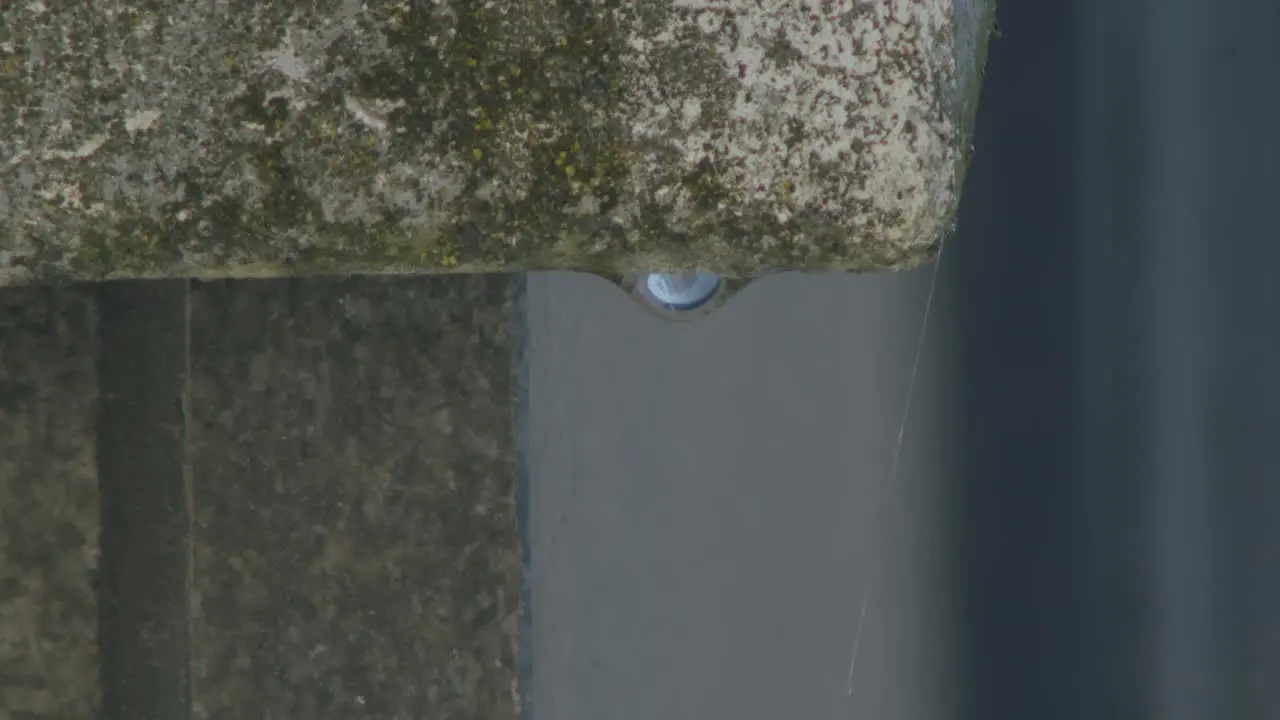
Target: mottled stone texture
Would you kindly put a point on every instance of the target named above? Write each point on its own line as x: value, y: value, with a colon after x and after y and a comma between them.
x: 48, y: 506
x: 245, y: 138
x: 355, y: 543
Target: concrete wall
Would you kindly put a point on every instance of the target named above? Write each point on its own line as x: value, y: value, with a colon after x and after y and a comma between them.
x: 303, y: 493
x: 49, y: 500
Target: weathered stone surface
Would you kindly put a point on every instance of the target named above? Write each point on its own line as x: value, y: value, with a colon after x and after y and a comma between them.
x: 355, y: 543
x: 238, y: 138
x: 48, y: 506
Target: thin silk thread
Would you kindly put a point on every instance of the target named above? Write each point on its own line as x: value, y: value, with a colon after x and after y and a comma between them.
x: 897, y: 456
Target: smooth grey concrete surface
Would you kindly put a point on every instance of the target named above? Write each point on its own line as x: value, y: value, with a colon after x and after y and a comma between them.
x: 1179, y: 220
x: 710, y: 500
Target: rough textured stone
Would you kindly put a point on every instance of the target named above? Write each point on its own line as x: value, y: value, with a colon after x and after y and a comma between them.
x: 355, y: 543
x: 304, y: 493
x: 48, y: 506
x: 238, y: 138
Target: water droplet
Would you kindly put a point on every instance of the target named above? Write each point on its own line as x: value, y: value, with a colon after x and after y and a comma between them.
x: 681, y: 291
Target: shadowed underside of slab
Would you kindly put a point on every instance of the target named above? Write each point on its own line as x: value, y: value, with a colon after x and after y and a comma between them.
x: 354, y: 535
x: 282, y: 498
x: 48, y: 506
x: 240, y: 138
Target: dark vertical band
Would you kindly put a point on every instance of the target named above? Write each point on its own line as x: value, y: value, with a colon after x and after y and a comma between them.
x: 143, y: 607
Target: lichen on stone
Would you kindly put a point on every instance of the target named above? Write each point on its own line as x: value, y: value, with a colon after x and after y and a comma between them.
x: 242, y: 138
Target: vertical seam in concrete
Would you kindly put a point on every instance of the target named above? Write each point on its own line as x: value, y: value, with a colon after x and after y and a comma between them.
x: 145, y: 613
x: 188, y: 486
x: 520, y: 412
